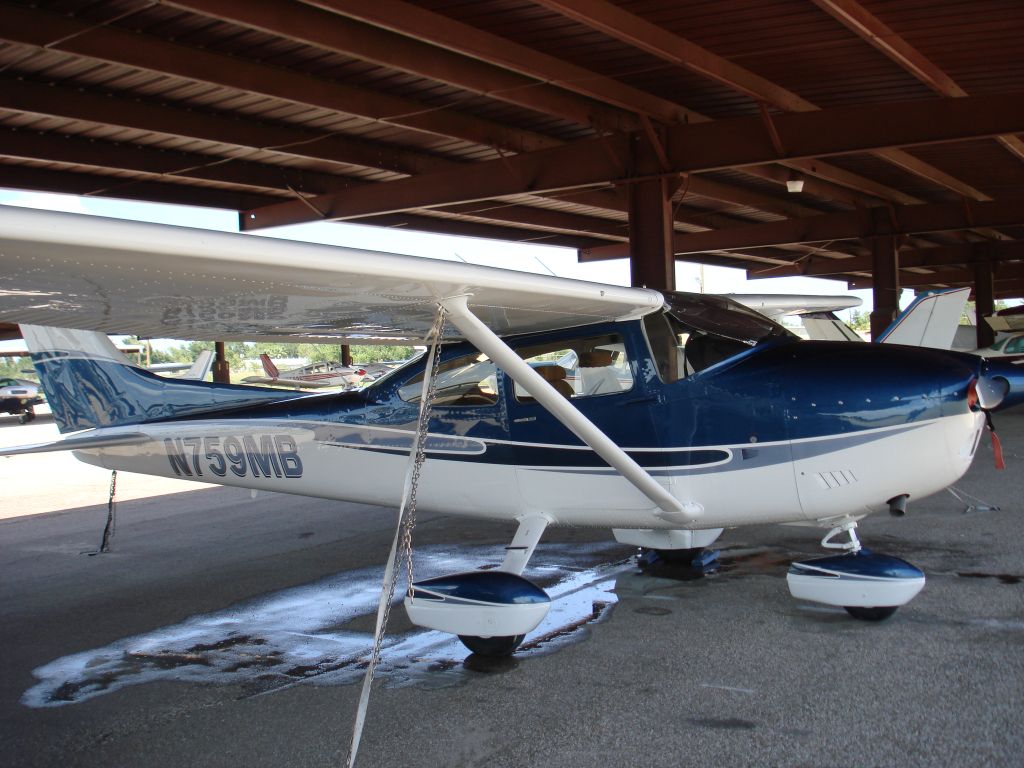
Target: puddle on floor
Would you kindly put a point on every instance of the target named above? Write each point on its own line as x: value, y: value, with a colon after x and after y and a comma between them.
x: 314, y: 634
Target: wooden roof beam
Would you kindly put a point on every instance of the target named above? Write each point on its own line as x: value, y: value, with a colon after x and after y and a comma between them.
x: 898, y: 220
x: 333, y: 32
x: 690, y: 148
x: 627, y: 27
x: 1009, y: 289
x: 453, y: 35
x: 54, y: 32
x: 108, y: 109
x: 329, y: 30
x: 277, y: 180
x: 966, y: 253
x: 730, y: 193
x: 110, y: 156
x: 858, y: 19
x: 47, y: 99
x: 824, y: 180
x: 1004, y: 272
x: 440, y: 31
x: 274, y: 180
x: 102, y: 185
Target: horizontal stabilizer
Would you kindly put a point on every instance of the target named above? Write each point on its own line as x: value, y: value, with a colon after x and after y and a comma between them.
x: 78, y: 443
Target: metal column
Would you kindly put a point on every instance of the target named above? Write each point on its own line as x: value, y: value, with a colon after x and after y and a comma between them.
x: 221, y: 369
x: 886, y: 282
x: 984, y: 301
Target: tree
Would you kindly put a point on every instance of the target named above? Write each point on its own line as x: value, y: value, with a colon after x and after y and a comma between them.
x: 860, y: 321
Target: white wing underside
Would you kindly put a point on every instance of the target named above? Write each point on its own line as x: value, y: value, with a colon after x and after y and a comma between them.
x: 160, y: 281
x: 778, y: 305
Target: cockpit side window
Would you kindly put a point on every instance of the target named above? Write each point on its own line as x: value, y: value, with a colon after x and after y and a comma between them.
x: 581, y: 367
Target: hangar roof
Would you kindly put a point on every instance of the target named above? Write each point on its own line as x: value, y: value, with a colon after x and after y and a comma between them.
x: 519, y: 120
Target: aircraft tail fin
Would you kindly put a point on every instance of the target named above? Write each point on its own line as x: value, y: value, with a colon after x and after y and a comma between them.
x: 88, y: 384
x: 200, y: 366
x: 930, y: 321
x: 269, y: 367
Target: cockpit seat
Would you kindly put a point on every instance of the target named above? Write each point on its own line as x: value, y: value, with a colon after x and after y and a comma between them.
x: 703, y: 351
x: 555, y: 375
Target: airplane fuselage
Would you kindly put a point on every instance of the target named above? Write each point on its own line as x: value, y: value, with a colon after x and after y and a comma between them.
x: 783, y: 431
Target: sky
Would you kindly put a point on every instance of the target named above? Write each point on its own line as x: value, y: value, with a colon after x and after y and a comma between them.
x: 523, y: 257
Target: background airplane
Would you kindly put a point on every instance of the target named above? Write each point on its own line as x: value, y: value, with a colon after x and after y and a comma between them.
x: 313, y: 376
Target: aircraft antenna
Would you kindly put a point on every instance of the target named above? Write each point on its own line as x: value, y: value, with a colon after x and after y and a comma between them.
x: 406, y: 523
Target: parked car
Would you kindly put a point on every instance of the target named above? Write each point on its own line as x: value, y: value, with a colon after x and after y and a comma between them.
x: 19, y: 397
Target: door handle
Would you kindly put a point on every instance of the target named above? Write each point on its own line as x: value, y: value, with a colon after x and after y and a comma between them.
x: 639, y: 400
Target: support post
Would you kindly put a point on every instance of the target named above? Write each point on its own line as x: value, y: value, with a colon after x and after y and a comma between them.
x: 652, y: 261
x: 221, y: 369
x: 886, y: 283
x: 519, y: 552
x: 346, y: 355
x: 984, y: 301
x: 652, y: 256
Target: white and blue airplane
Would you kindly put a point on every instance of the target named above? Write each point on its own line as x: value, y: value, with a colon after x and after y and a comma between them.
x: 682, y: 414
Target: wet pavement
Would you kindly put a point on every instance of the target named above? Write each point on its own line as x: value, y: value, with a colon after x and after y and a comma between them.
x: 225, y: 630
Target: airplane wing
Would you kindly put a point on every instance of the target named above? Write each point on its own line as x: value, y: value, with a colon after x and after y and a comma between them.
x: 160, y: 281
x: 776, y: 305
x: 1011, y: 319
x: 295, y: 383
x: 167, y: 367
x: 79, y: 442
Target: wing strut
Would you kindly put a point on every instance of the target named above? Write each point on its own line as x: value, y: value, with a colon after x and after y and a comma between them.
x: 484, y: 339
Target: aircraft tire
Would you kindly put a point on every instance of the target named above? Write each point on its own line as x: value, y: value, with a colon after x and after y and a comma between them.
x: 494, y: 647
x: 871, y: 614
x: 26, y: 417
x: 678, y: 556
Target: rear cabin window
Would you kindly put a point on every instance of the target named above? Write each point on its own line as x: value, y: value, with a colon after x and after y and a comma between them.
x: 584, y: 367
x: 467, y: 380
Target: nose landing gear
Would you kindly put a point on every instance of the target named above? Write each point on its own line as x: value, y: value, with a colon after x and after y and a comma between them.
x: 868, y: 585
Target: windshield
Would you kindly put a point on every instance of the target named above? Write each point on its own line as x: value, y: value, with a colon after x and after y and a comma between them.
x: 698, y: 331
x: 722, y: 317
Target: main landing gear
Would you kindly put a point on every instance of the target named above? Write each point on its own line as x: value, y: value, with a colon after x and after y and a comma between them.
x: 869, y: 586
x: 490, y: 611
x: 27, y: 415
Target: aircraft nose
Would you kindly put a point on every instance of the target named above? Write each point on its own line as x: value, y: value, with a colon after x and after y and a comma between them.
x: 874, y: 384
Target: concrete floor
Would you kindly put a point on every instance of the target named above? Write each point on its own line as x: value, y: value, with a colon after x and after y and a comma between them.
x: 727, y: 670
